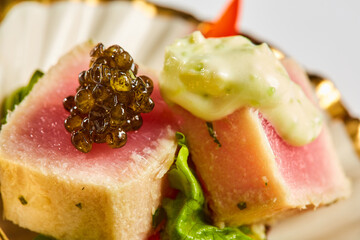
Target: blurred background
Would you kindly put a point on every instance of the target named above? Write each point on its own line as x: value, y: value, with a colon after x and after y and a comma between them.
x: 323, y: 35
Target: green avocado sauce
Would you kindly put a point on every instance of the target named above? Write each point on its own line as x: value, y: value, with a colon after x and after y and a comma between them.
x: 211, y: 78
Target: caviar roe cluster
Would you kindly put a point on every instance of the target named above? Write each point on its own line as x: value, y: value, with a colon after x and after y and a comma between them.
x: 108, y: 101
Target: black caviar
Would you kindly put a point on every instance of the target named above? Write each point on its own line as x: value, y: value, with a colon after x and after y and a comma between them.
x: 109, y: 100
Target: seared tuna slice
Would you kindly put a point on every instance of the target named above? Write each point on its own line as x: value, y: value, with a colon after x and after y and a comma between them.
x: 50, y: 187
x: 255, y: 176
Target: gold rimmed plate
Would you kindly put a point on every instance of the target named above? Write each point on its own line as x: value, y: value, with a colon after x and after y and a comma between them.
x: 34, y: 34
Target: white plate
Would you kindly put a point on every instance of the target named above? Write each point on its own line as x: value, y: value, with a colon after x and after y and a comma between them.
x: 33, y: 36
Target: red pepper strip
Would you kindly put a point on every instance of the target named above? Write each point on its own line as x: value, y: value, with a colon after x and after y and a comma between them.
x: 156, y: 236
x: 226, y: 25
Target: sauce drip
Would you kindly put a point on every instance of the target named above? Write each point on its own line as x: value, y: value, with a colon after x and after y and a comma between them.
x: 213, y: 77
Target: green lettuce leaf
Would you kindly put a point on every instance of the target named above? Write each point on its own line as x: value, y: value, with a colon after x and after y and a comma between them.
x: 17, y: 96
x: 186, y: 217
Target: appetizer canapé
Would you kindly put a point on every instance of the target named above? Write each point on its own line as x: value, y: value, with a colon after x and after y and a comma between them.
x: 275, y: 155
x: 50, y: 187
